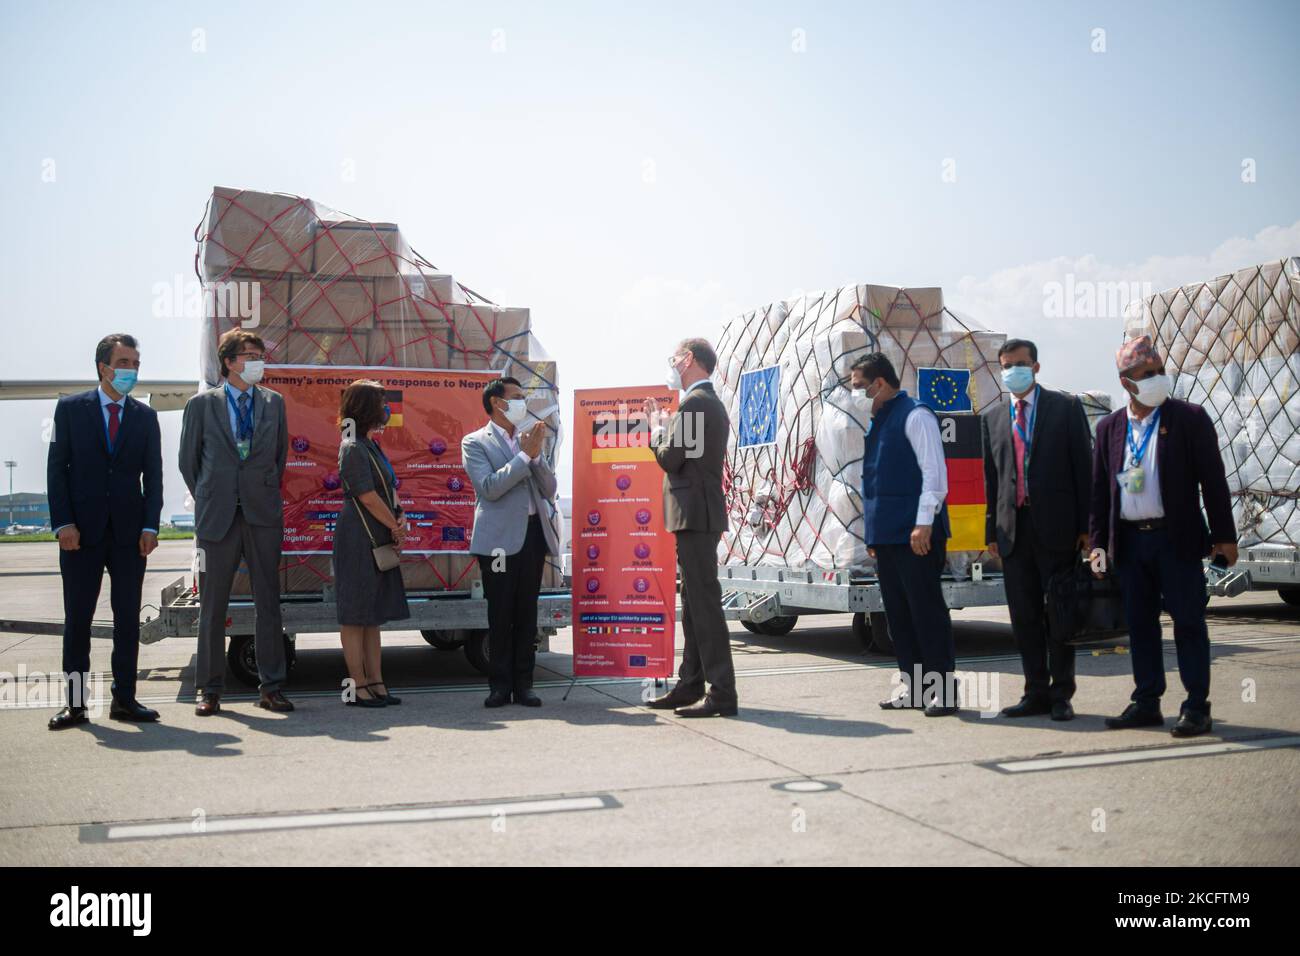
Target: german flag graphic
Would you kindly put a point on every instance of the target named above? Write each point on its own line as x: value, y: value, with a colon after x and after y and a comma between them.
x: 393, y: 402
x: 963, y: 450
x: 620, y: 439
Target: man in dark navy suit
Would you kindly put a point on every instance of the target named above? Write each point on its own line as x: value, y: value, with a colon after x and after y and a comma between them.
x: 105, y: 490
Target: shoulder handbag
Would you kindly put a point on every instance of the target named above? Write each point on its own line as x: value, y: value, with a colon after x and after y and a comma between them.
x: 386, y: 556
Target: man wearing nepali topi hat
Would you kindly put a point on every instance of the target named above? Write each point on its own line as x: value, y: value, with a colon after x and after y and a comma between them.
x: 1154, y: 462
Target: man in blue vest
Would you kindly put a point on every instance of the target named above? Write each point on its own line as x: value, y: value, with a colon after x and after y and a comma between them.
x: 905, y: 526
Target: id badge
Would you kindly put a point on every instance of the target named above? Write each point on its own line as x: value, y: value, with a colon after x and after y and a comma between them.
x: 243, y: 446
x: 1134, y: 480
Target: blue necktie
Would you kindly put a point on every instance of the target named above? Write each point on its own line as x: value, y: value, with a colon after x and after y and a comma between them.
x: 245, y: 426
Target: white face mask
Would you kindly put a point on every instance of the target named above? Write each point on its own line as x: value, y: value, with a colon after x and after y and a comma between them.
x: 1153, y: 391
x: 867, y: 399
x: 252, y: 373
x: 516, y: 410
x: 674, y: 379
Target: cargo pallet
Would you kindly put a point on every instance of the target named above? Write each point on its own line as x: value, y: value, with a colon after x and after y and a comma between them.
x: 770, y: 600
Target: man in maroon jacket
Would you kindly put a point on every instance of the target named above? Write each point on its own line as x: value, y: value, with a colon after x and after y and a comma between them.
x: 1153, y: 463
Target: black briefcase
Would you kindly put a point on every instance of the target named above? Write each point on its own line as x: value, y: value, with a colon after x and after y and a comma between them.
x: 1083, y: 608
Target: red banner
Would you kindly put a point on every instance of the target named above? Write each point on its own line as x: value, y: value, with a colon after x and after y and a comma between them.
x: 624, y: 562
x: 429, y: 412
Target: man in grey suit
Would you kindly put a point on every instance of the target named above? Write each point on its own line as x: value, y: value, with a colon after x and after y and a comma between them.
x: 514, y: 530
x: 1037, y: 482
x: 690, y: 449
x: 234, y: 443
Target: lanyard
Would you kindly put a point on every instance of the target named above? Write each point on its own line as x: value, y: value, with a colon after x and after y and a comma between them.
x: 1033, y: 414
x: 1136, y: 450
x: 245, y: 421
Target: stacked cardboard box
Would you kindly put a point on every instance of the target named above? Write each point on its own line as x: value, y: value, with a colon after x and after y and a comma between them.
x: 322, y: 288
x: 1232, y: 345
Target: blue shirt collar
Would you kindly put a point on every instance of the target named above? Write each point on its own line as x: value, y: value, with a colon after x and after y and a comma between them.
x: 105, y: 401
x: 234, y: 393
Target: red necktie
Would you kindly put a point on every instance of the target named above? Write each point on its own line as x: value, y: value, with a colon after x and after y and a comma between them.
x: 1020, y: 451
x: 114, y: 411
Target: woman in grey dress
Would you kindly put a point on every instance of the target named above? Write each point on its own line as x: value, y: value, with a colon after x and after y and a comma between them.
x: 370, y: 515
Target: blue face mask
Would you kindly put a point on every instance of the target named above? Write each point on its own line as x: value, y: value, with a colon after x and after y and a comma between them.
x: 124, y: 380
x: 1018, y: 378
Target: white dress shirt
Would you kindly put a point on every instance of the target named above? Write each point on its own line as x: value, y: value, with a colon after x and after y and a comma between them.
x: 512, y: 442
x: 922, y: 430
x: 1029, y: 407
x: 1146, y: 503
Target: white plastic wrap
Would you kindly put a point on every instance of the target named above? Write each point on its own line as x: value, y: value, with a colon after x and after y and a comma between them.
x: 1232, y: 344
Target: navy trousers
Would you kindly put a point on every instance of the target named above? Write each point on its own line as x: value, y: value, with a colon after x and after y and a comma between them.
x: 919, y: 623
x: 1150, y: 573
x: 83, y: 574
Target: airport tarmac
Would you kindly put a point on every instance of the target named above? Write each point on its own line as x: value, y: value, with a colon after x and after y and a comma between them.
x: 812, y: 771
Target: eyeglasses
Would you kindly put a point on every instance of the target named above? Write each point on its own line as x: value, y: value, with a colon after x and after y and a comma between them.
x: 253, y: 356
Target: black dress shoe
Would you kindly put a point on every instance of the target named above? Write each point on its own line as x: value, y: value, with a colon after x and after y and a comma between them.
x: 69, y: 717
x: 131, y: 710
x: 1136, y: 715
x: 388, y: 699
x: 497, y: 699
x: 673, y: 699
x: 708, y: 707
x: 939, y: 710
x: 1062, y: 710
x: 527, y: 698
x: 1192, y: 724
x: 1028, y: 707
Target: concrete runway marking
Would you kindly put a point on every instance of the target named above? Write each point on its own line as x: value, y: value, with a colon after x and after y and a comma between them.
x: 1139, y: 756
x: 101, y: 833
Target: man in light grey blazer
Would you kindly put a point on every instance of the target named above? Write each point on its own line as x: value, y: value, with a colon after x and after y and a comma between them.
x: 234, y: 443
x: 514, y: 530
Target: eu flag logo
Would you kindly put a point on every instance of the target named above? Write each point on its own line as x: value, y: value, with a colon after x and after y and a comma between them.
x: 759, y: 393
x: 944, y: 389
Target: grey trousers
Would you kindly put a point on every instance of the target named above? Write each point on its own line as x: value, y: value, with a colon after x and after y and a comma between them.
x: 707, y: 655
x: 219, y: 559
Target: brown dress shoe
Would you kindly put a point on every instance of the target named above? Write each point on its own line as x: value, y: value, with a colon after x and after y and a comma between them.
x: 208, y: 704
x: 275, y: 701
x: 673, y: 699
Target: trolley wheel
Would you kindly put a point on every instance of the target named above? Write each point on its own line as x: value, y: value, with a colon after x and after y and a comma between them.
x: 751, y: 627
x: 777, y: 626
x: 873, y: 633
x: 476, y: 649
x: 1290, y: 595
x: 241, y: 657
x: 445, y: 640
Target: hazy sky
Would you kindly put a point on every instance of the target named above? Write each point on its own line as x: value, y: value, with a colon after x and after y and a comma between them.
x: 636, y: 175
